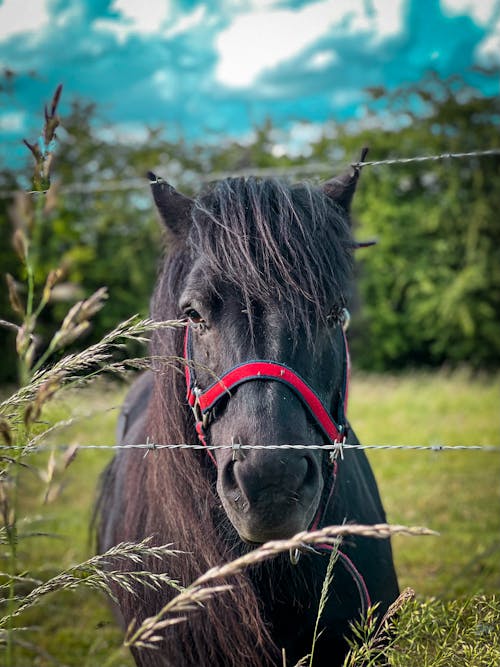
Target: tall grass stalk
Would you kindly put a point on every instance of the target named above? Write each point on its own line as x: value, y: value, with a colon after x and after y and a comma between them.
x: 325, y: 592
x: 25, y: 342
x: 100, y: 573
x: 194, y: 595
x: 372, y: 636
x: 20, y: 415
x: 40, y: 379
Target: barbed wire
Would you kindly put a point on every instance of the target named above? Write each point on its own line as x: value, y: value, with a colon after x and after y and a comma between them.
x: 427, y: 158
x: 91, y: 187
x: 338, y: 447
x: 311, y: 167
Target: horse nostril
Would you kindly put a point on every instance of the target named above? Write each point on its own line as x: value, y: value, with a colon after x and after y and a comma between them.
x: 311, y: 476
x: 229, y: 480
x: 248, y: 483
x: 305, y: 473
x: 230, y: 484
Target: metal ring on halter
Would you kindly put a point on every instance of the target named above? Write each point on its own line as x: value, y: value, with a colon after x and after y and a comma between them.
x: 296, y: 553
x: 199, y: 415
x: 346, y: 319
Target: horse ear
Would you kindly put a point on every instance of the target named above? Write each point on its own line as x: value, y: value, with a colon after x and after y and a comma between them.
x: 174, y: 207
x: 341, y: 188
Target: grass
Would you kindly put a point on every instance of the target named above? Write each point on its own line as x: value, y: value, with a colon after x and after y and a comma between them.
x: 75, y: 627
x: 456, y: 493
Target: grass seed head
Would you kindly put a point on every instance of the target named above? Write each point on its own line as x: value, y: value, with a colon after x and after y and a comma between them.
x: 20, y: 244
x: 14, y: 297
x: 43, y: 149
x: 53, y: 278
x: 23, y: 340
x: 6, y: 431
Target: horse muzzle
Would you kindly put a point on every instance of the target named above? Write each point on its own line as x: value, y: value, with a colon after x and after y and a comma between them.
x: 269, y: 493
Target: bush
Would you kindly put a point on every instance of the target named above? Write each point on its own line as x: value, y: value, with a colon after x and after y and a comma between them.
x: 430, y: 291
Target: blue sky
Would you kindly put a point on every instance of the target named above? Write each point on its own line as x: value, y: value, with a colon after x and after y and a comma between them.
x: 215, y: 69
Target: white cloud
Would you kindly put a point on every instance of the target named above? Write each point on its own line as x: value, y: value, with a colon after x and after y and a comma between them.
x: 144, y: 17
x: 297, y: 139
x: 124, y: 132
x: 259, y: 40
x: 383, y: 19
x: 187, y: 22
x: 12, y: 121
x: 120, y: 30
x: 136, y: 17
x: 322, y: 59
x: 302, y: 135
x: 156, y: 17
x: 16, y: 19
x: 481, y: 11
x: 488, y: 51
x: 165, y: 83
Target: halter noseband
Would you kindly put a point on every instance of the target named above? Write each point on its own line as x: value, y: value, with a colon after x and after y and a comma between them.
x: 203, y: 401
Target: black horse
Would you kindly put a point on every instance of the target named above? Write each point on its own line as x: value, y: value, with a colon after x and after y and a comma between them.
x: 259, y: 270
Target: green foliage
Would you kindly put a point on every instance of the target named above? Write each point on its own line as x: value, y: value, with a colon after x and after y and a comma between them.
x: 461, y: 633
x: 432, y: 633
x: 430, y: 290
x: 429, y: 293
x: 104, y: 238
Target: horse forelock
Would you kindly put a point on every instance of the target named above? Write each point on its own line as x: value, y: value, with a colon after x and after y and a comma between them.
x: 281, y: 244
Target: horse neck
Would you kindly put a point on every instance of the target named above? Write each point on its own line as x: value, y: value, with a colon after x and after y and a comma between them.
x: 356, y: 496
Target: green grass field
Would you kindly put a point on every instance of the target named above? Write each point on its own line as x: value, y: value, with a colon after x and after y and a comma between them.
x: 455, y: 493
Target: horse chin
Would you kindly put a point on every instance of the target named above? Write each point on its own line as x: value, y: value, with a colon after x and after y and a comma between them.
x: 255, y: 531
x: 258, y: 537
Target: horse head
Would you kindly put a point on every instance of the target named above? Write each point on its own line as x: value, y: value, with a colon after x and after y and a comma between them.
x: 264, y: 278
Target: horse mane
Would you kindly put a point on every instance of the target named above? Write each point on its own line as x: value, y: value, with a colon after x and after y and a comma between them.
x: 273, y: 241
x: 276, y: 242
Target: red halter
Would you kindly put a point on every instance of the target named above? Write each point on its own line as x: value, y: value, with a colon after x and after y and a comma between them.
x: 203, y: 402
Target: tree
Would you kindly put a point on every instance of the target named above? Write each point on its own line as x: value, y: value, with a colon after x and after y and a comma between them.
x: 431, y: 289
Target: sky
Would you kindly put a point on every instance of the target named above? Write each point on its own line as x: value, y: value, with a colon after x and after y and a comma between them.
x: 208, y: 70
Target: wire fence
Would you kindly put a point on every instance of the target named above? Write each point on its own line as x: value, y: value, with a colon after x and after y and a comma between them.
x: 91, y: 187
x: 337, y: 448
x: 428, y: 158
x: 310, y: 167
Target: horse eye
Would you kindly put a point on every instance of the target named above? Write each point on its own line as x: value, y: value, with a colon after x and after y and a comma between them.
x: 193, y: 316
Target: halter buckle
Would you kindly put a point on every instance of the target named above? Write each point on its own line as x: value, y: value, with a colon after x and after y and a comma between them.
x: 198, y: 413
x: 339, y: 448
